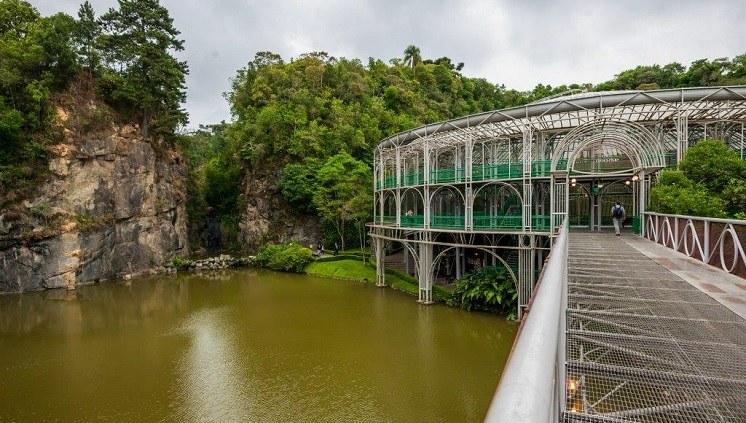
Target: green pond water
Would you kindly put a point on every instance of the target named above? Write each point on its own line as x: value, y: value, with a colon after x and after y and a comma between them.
x: 254, y: 346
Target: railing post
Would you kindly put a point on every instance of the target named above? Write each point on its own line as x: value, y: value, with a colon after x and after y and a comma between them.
x: 706, y: 246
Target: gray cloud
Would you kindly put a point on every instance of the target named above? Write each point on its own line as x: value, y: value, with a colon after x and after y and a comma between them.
x: 516, y: 43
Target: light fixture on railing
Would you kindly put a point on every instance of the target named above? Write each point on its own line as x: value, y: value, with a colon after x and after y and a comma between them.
x: 635, y: 178
x: 600, y: 186
x: 627, y: 182
x: 573, y: 180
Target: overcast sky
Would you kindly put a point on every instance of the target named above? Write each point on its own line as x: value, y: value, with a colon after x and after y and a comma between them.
x: 518, y: 43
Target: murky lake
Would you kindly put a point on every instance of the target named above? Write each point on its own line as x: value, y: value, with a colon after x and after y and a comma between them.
x: 254, y: 346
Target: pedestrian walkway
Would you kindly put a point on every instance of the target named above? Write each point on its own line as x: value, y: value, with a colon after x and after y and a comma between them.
x: 651, y: 336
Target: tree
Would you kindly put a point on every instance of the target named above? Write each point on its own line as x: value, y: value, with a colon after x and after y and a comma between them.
x: 86, y: 38
x: 412, y: 56
x: 137, y: 43
x: 298, y: 184
x: 343, y: 188
x: 704, y: 73
x: 676, y: 194
x: 15, y: 17
x: 713, y: 164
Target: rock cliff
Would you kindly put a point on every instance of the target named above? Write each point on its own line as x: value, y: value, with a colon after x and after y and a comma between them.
x: 267, y: 216
x: 112, y: 206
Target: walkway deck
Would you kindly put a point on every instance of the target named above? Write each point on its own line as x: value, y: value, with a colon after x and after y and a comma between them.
x: 645, y: 344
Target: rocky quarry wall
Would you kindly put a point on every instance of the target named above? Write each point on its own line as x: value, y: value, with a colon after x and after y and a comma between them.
x: 114, y: 206
x: 267, y: 217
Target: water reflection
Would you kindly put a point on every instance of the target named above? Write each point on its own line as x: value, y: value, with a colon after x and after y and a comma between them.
x: 93, y: 308
x: 212, y: 386
x: 244, y: 346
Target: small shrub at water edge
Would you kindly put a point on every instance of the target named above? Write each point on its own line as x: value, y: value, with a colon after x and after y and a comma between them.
x: 490, y: 289
x: 287, y: 258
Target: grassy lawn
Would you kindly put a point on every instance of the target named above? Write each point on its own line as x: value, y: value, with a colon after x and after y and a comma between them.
x: 359, y: 271
x: 343, y: 269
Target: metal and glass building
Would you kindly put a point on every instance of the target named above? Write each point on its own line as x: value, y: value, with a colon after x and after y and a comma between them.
x: 491, y: 189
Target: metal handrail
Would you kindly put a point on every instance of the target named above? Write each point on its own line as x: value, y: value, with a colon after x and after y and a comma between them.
x: 708, y: 219
x: 722, y: 244
x: 531, y: 388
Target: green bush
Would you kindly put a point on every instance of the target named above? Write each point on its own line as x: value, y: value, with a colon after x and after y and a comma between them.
x: 490, y: 289
x: 265, y: 254
x: 676, y: 194
x: 287, y: 258
x: 180, y: 263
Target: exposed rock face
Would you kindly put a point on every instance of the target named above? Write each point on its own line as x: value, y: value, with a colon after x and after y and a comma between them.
x: 267, y: 216
x: 113, y: 207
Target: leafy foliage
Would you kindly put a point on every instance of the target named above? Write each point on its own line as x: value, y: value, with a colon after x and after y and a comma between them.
x: 213, y: 184
x: 489, y: 289
x: 711, y: 182
x: 343, y: 192
x: 284, y: 257
x: 676, y: 194
x: 41, y: 56
x: 298, y: 184
x: 712, y: 164
x: 137, y: 42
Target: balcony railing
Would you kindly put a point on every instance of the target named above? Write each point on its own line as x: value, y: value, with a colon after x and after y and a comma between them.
x: 480, y: 221
x: 446, y: 221
x: 502, y: 171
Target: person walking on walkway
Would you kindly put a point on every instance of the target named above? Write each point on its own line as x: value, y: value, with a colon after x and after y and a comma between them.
x: 617, y: 213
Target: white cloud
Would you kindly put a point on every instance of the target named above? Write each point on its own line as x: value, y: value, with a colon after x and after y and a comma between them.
x: 519, y: 44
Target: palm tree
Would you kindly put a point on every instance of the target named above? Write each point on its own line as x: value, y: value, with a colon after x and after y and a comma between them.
x: 412, y: 55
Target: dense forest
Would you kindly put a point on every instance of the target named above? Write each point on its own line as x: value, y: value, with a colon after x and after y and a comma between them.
x: 315, y: 118
x: 319, y: 117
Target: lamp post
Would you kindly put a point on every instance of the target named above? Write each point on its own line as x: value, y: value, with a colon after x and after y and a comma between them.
x: 635, y: 178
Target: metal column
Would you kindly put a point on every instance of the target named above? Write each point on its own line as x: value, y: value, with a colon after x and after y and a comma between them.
x: 425, y: 273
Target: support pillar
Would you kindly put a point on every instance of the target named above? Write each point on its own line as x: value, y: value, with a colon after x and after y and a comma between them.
x: 458, y: 262
x: 682, y: 136
x: 526, y: 266
x: 380, y: 257
x: 406, y: 260
x: 425, y: 273
x: 527, y: 185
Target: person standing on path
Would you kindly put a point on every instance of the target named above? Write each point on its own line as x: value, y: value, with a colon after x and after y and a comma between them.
x: 618, y: 214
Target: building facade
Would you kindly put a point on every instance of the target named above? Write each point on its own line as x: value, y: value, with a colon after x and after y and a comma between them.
x: 491, y: 189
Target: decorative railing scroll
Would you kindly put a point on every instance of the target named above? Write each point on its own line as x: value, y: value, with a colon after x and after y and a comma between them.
x: 717, y: 242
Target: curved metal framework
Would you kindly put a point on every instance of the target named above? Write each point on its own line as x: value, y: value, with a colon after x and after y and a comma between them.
x: 505, y: 179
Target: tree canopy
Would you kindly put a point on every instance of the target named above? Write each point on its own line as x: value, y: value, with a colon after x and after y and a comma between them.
x: 710, y: 182
x: 137, y: 43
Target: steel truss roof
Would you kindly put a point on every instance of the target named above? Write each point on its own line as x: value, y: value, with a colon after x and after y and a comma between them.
x: 563, y: 113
